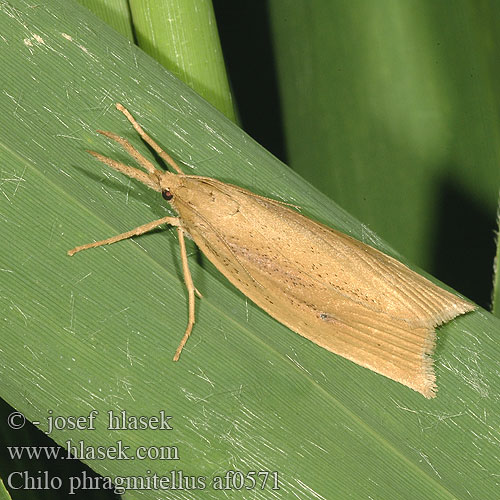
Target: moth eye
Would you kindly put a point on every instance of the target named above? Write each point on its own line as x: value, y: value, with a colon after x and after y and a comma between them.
x: 167, y: 195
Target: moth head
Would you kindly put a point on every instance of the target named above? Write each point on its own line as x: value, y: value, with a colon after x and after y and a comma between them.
x: 168, y: 185
x: 164, y: 182
x: 152, y: 177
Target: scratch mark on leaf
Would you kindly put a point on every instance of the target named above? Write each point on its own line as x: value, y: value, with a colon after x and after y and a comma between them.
x: 72, y: 311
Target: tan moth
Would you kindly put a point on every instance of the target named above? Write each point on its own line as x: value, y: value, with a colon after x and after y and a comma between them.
x: 330, y: 288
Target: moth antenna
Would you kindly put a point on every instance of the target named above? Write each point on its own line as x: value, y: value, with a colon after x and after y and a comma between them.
x: 163, y: 155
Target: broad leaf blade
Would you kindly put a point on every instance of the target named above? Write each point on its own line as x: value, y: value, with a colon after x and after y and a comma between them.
x: 97, y: 331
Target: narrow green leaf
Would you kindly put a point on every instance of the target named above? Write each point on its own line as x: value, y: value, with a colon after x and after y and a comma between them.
x: 116, y: 13
x: 182, y: 35
x: 4, y: 494
x: 97, y: 331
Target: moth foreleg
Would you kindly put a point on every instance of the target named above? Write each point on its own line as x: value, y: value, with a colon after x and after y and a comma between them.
x: 173, y: 221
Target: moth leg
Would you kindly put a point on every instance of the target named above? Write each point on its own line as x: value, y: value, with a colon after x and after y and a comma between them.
x: 191, y: 291
x: 173, y: 221
x: 163, y: 155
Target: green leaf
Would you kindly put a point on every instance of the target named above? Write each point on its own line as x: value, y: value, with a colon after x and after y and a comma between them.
x: 182, y: 35
x: 116, y: 13
x: 4, y: 494
x: 97, y: 331
x: 398, y: 98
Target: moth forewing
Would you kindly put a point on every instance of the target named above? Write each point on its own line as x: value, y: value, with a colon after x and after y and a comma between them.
x: 330, y: 288
x: 343, y: 295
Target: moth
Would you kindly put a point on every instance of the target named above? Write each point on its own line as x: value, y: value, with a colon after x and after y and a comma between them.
x: 339, y: 293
